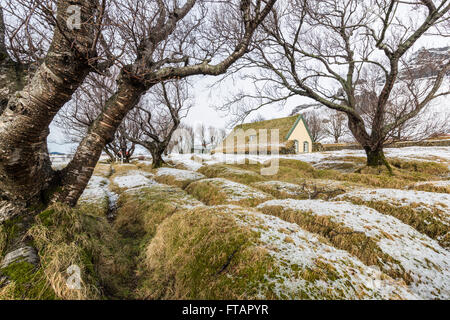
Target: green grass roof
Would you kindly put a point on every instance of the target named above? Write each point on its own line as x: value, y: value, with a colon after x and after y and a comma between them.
x: 283, y: 124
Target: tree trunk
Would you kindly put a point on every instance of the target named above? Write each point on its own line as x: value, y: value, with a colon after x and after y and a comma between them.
x: 78, y: 172
x: 158, y: 161
x: 375, y: 155
x: 25, y: 169
x: 376, y: 158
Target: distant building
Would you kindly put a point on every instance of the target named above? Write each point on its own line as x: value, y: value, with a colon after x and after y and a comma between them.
x: 290, y: 135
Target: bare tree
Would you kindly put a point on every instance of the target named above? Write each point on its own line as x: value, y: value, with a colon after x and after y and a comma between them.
x: 315, y: 125
x: 122, y: 147
x: 76, y: 117
x: 201, y: 134
x: 158, y: 116
x: 216, y: 136
x: 332, y: 51
x: 149, y: 41
x: 336, y: 125
x: 182, y: 140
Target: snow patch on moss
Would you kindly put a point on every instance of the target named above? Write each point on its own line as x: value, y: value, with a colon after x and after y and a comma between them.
x: 426, y: 261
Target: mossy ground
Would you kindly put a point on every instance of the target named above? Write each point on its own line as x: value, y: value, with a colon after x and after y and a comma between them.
x: 66, y: 237
x: 204, y: 254
x: 213, y: 192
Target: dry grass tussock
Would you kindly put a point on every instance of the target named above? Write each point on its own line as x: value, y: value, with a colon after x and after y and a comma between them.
x: 404, y: 174
x: 68, y: 237
x: 203, y: 254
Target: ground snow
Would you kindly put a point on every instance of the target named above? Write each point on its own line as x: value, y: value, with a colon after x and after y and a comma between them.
x: 408, y: 153
x: 98, y: 189
x: 134, y: 179
x: 95, y: 190
x: 425, y: 200
x: 180, y: 174
x: 438, y: 183
x: 185, y: 160
x: 304, y: 249
x: 427, y: 262
x: 236, y: 191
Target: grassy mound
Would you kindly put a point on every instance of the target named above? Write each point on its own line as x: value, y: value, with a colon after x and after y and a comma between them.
x: 219, y: 191
x: 231, y: 173
x: 375, y: 238
x: 341, y: 237
x: 177, y: 177
x: 309, y: 189
x: 69, y: 239
x: 404, y: 173
x: 203, y: 254
x: 229, y: 252
x: 141, y: 211
x: 430, y: 221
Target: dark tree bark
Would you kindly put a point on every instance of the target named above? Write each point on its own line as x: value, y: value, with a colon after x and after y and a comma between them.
x: 157, y: 153
x: 25, y: 168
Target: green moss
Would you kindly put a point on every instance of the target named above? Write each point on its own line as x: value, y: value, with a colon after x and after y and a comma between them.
x: 3, y: 240
x: 10, y: 230
x: 46, y: 217
x: 203, y: 254
x: 28, y: 282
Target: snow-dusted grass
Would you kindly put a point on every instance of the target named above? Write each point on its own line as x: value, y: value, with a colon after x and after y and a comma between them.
x: 177, y: 177
x: 435, y: 154
x: 99, y: 194
x: 326, y: 271
x: 427, y: 212
x: 308, y: 189
x: 441, y: 186
x: 424, y: 259
x: 221, y: 191
x: 440, y: 183
x: 229, y: 252
x: 186, y: 161
x: 419, y: 200
x: 95, y: 190
x: 132, y: 179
